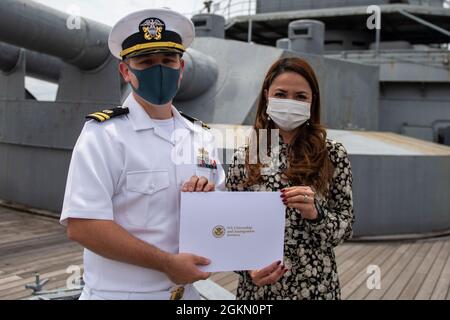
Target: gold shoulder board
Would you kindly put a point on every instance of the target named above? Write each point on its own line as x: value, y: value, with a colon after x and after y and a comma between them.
x: 102, y: 116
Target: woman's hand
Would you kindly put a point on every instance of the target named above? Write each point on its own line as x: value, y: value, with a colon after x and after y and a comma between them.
x: 198, y: 184
x: 301, y: 198
x: 268, y: 275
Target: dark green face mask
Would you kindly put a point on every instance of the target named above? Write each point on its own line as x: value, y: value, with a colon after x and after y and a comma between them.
x: 157, y: 84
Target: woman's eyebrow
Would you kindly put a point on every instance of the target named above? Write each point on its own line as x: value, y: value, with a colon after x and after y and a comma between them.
x: 279, y: 89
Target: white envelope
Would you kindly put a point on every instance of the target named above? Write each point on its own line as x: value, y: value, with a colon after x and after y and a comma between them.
x: 235, y: 230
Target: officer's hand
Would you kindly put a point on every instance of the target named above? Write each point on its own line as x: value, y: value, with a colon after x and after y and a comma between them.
x: 183, y: 268
x: 198, y: 184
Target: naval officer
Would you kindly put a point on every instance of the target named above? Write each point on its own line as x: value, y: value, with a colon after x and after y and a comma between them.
x: 130, y: 165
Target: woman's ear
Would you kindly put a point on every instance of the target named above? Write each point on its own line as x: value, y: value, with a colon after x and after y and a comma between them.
x: 266, y: 94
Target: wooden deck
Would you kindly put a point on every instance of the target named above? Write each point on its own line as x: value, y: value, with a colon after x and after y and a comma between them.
x: 409, y: 270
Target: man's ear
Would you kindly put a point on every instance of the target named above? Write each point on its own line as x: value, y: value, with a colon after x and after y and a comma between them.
x: 181, y: 69
x: 124, y: 71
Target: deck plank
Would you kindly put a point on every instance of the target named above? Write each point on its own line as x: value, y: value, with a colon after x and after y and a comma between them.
x: 414, y: 284
x: 9, y: 263
x: 346, y: 262
x: 359, y: 279
x: 73, y: 258
x: 443, y: 284
x: 24, y: 255
x: 360, y: 264
x: 219, y: 276
x: 9, y: 279
x: 362, y: 291
x: 432, y: 277
x: 231, y: 286
x: 400, y: 283
x: 390, y: 277
x: 353, y: 249
x: 230, y: 278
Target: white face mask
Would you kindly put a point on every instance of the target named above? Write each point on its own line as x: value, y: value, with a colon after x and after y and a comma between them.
x: 288, y: 114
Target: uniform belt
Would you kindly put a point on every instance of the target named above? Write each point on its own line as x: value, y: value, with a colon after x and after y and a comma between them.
x: 176, y: 293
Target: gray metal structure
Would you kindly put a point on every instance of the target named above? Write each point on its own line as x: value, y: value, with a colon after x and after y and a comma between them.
x: 85, y: 47
x: 265, y: 6
x: 307, y: 36
x: 284, y: 43
x: 45, y: 132
x: 269, y: 27
x: 209, y: 25
x: 412, y: 54
x: 400, y: 184
x: 413, y: 57
x: 233, y: 97
x: 221, y: 85
x: 414, y: 90
x: 38, y: 65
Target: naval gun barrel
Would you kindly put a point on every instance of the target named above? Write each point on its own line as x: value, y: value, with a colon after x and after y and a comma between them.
x: 44, y: 31
x: 36, y: 27
x: 38, y: 65
x: 200, y: 73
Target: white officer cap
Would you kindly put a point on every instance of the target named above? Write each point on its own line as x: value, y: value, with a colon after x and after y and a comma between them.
x: 151, y: 31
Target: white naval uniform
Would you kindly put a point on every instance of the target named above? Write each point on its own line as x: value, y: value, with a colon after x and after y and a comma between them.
x: 123, y: 170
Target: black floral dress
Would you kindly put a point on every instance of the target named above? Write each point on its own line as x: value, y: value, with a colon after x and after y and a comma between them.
x: 309, y: 246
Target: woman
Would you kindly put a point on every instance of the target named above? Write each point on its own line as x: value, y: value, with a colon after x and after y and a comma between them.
x: 315, y: 180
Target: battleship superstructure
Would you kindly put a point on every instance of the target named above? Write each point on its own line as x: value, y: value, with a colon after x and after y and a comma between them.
x: 411, y: 50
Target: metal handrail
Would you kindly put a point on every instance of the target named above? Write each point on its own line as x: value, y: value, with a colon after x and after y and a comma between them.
x: 425, y: 23
x: 246, y: 7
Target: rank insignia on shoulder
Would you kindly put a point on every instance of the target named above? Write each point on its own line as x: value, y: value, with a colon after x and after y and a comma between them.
x: 195, y: 120
x: 105, y: 115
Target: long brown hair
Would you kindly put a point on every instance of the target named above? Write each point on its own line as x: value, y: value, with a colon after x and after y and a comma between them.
x: 308, y: 160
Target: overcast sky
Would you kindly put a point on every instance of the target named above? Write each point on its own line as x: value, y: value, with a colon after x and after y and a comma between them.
x: 110, y: 11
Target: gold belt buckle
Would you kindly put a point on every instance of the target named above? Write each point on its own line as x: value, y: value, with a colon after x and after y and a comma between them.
x: 177, y: 294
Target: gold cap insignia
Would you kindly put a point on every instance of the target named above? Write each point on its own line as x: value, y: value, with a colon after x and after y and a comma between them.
x: 152, y: 28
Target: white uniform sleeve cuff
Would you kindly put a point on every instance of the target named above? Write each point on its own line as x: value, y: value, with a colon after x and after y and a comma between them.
x: 88, y: 215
